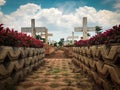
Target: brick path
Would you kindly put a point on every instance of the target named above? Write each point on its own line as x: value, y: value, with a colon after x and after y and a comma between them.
x: 58, y: 73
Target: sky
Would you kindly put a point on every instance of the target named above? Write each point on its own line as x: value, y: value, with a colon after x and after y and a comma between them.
x: 59, y: 16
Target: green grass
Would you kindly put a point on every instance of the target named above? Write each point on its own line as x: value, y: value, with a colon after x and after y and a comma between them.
x: 64, y: 69
x: 77, y: 76
x: 48, y: 73
x: 65, y: 74
x: 54, y: 85
x: 67, y: 88
x: 54, y: 70
x: 40, y: 88
x: 44, y: 80
x: 69, y: 82
x: 56, y: 77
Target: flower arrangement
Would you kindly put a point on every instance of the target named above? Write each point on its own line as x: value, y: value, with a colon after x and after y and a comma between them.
x: 13, y: 38
x: 109, y: 36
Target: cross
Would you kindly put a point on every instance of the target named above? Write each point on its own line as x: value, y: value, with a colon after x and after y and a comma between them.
x: 72, y: 37
x: 84, y: 29
x: 33, y: 29
x: 46, y: 35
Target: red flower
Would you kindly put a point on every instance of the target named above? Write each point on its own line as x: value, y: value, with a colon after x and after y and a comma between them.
x: 13, y: 38
x: 107, y: 37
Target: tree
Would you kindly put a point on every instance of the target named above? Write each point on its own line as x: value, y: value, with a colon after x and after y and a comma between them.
x: 61, y: 42
x: 55, y: 44
x: 88, y: 34
x: 98, y: 29
x: 40, y: 38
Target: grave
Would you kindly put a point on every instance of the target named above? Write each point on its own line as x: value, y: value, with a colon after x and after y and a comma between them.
x: 35, y: 30
x: 84, y: 29
x: 72, y: 37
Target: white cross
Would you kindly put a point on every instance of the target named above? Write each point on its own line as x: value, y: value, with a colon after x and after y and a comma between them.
x: 46, y: 35
x: 33, y: 29
x: 84, y: 29
x: 72, y: 37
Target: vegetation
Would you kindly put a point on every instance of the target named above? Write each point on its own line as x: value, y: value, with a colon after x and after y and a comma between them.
x: 9, y: 37
x: 109, y: 36
x: 61, y: 42
x: 98, y: 29
x: 54, y: 85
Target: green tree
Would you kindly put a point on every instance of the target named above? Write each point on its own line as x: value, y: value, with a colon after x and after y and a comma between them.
x: 61, y: 42
x: 88, y: 34
x: 40, y: 38
x: 98, y: 29
x: 55, y: 44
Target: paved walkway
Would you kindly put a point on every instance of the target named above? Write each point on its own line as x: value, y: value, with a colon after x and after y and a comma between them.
x: 58, y: 73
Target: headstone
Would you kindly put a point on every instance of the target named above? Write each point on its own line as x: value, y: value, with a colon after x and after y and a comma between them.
x: 46, y: 35
x: 33, y: 29
x: 84, y: 29
x: 72, y: 37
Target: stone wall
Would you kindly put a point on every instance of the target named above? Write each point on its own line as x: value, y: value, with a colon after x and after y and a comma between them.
x: 16, y: 63
x: 101, y: 62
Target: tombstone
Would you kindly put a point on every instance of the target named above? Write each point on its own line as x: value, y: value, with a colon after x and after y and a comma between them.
x: 72, y: 37
x: 46, y: 35
x: 35, y: 30
x: 84, y: 29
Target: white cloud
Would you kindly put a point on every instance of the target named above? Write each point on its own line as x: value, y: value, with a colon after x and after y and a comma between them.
x: 66, y: 7
x: 108, y: 18
x: 60, y: 24
x: 29, y: 9
x: 2, y: 2
x: 103, y: 18
x: 1, y: 14
x: 117, y: 6
x: 69, y: 6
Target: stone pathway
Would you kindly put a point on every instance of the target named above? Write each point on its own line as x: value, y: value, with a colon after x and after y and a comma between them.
x: 58, y: 73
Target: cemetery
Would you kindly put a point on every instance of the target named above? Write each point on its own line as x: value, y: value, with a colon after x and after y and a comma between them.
x: 27, y: 63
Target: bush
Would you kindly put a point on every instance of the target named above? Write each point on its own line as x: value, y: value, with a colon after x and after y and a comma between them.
x: 109, y: 36
x: 13, y: 38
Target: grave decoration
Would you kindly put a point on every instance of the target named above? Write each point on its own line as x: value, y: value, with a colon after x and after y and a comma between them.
x: 108, y: 37
x: 13, y: 38
x: 99, y: 57
x: 19, y: 56
x: 84, y: 29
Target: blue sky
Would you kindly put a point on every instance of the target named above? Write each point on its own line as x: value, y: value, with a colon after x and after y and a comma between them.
x: 12, y: 5
x: 60, y: 16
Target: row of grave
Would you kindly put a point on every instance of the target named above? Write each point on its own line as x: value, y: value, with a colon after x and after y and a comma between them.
x: 101, y: 62
x: 42, y: 30
x: 16, y: 63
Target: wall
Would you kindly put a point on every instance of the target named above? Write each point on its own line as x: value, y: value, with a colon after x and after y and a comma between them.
x: 16, y: 63
x: 101, y: 62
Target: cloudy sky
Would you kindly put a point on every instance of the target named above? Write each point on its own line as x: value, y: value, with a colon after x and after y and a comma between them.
x: 59, y: 16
